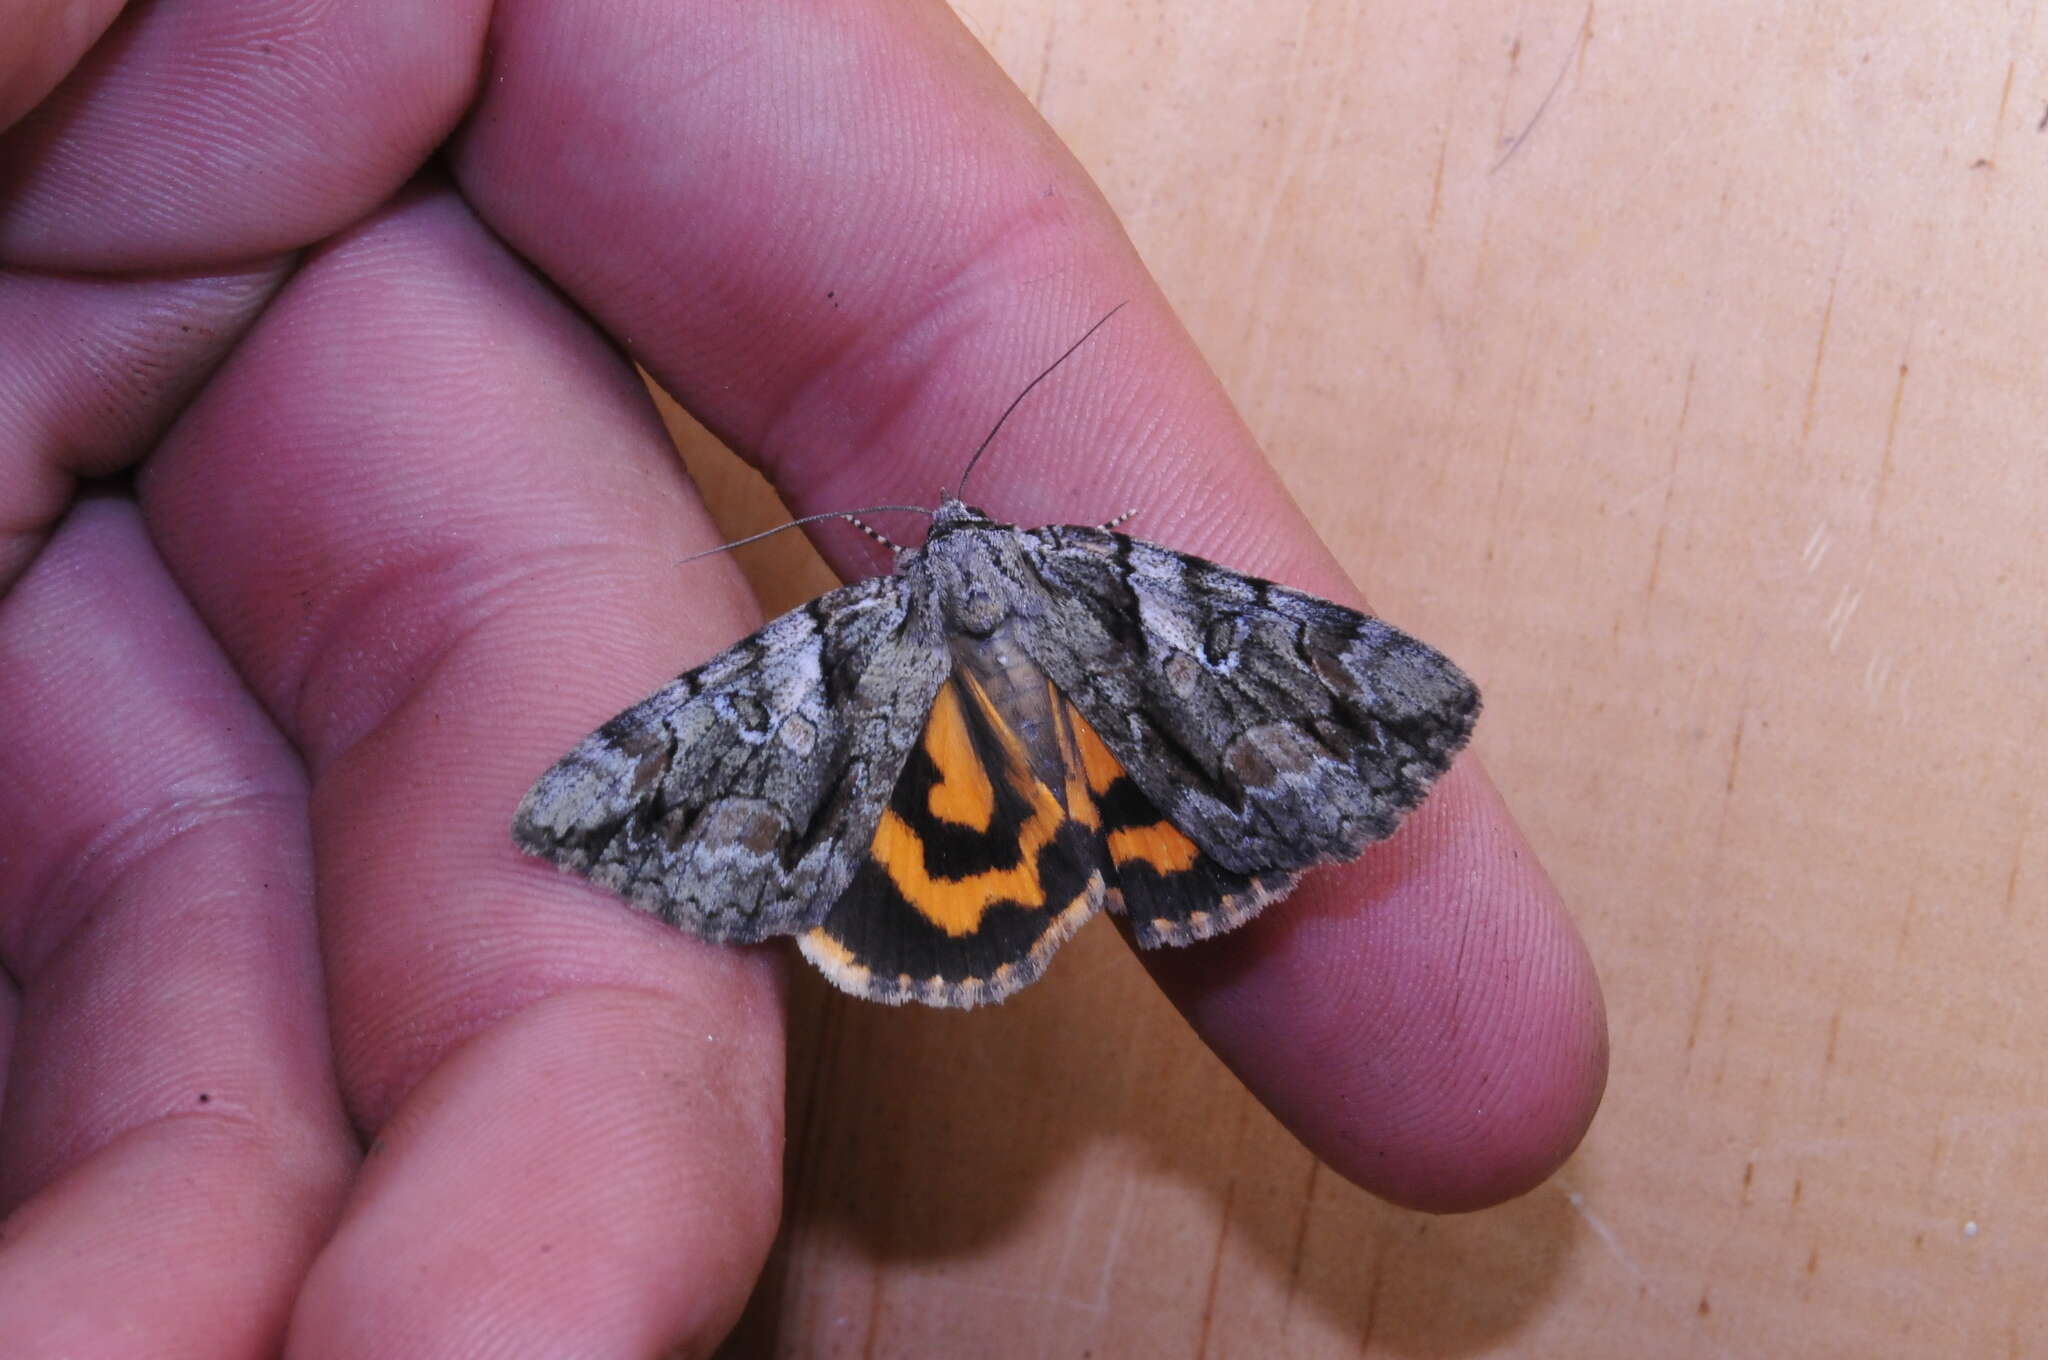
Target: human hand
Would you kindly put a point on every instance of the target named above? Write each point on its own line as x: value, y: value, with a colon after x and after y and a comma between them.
x: 404, y: 526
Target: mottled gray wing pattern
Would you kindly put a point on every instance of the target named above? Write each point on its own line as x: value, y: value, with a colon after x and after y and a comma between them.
x: 1274, y: 728
x: 737, y: 801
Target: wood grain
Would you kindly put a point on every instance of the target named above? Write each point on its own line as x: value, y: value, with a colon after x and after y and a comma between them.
x: 1679, y: 370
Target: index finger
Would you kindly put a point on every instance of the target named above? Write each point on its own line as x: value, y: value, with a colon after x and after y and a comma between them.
x: 861, y: 242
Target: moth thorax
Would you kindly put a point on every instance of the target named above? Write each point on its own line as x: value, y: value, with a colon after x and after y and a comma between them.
x: 1019, y: 691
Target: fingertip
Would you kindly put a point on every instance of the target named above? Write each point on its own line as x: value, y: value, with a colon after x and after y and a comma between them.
x: 598, y: 1174
x: 1426, y: 1020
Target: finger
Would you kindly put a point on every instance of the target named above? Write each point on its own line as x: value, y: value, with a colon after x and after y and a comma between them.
x: 867, y: 245
x: 171, y: 1150
x: 45, y: 39
x: 91, y: 371
x: 578, y: 1111
x: 204, y: 133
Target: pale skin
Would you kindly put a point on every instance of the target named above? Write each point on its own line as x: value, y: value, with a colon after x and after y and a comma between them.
x: 403, y: 525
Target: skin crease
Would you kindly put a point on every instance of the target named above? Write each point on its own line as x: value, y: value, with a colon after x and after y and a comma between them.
x: 401, y: 527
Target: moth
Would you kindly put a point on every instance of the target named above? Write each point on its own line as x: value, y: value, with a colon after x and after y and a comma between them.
x: 933, y: 778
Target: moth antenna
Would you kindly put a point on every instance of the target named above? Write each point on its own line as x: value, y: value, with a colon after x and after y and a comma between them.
x: 1124, y: 518
x: 968, y: 471
x: 876, y: 534
x: 853, y: 515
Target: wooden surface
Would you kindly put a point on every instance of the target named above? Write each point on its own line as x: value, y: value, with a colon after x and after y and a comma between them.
x: 1680, y: 370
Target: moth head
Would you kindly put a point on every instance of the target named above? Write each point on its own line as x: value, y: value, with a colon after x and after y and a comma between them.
x: 954, y: 514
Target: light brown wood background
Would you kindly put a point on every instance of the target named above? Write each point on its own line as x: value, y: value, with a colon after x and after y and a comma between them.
x: 1680, y: 370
